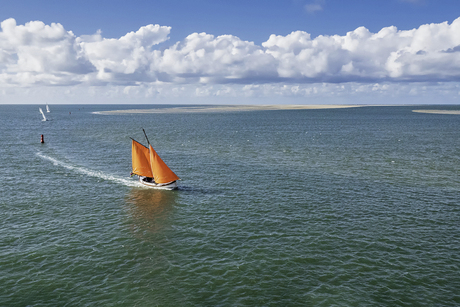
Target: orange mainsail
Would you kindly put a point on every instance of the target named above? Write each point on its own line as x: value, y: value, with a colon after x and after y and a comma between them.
x: 141, y: 160
x: 146, y: 162
x: 161, y: 172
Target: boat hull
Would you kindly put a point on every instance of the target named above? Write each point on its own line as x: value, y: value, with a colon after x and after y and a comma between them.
x: 160, y: 186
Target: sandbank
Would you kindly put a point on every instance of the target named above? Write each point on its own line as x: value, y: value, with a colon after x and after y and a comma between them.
x: 225, y: 108
x: 452, y: 112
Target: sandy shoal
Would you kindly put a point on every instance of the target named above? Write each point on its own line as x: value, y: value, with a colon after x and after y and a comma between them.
x: 452, y: 112
x: 226, y: 108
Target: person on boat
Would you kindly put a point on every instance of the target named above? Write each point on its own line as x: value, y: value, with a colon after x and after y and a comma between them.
x: 148, y: 179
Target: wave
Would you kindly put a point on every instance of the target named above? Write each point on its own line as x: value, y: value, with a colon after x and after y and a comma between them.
x: 92, y: 173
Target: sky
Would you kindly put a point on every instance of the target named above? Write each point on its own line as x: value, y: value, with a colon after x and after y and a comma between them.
x: 230, y: 52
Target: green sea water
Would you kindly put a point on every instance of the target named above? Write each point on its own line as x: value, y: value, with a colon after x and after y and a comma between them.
x: 339, y: 207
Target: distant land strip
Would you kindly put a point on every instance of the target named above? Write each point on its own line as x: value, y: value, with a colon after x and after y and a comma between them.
x: 226, y: 108
x: 452, y: 112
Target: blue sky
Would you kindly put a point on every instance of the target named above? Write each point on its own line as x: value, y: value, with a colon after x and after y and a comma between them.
x: 253, y: 51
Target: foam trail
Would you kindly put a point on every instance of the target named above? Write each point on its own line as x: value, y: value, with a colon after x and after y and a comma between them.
x: 92, y: 173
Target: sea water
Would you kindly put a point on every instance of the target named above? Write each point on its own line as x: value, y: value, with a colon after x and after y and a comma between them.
x: 338, y: 207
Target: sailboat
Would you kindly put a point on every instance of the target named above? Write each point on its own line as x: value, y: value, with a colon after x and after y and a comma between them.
x: 150, y: 168
x: 47, y: 109
x: 43, y: 114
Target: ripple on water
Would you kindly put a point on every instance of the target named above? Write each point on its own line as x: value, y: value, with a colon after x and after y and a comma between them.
x: 317, y: 209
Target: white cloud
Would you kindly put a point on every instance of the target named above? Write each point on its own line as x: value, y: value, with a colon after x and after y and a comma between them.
x: 426, y: 53
x: 127, y: 58
x: 36, y: 54
x: 204, y: 58
x: 314, y: 6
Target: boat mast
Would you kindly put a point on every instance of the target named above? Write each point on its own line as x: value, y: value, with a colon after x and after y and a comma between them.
x: 148, y: 143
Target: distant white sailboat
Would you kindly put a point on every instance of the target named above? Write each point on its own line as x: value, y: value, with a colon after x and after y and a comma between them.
x: 43, y: 114
x: 47, y: 109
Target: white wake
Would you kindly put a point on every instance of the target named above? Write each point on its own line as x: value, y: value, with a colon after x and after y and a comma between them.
x: 92, y: 173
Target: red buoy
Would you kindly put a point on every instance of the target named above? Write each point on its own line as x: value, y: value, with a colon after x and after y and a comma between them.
x: 42, y: 139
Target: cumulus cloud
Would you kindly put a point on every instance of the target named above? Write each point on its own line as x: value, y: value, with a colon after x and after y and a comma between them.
x: 389, y: 55
x: 204, y: 58
x: 126, y: 58
x: 37, y: 54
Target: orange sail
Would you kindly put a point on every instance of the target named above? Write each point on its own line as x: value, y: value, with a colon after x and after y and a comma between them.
x: 141, y: 160
x: 161, y: 172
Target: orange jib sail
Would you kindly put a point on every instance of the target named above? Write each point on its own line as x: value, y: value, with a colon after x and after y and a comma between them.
x: 161, y: 172
x: 141, y: 160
